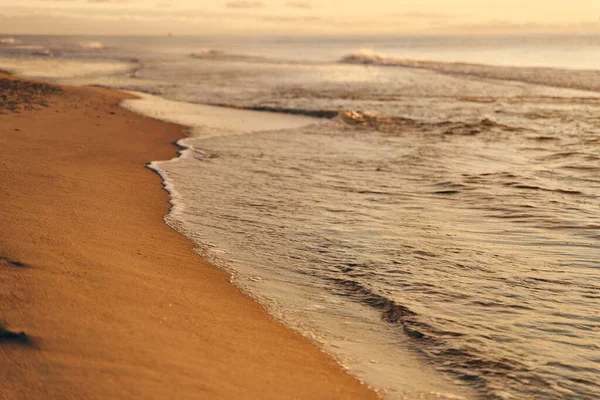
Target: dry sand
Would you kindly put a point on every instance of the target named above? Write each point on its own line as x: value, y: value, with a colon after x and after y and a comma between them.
x: 114, y: 303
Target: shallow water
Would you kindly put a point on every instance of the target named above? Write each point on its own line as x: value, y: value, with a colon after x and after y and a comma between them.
x: 449, y: 219
x: 490, y: 267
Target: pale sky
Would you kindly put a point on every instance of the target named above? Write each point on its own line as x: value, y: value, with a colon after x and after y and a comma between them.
x: 298, y: 16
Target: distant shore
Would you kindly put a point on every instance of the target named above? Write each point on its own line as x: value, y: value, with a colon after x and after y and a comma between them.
x: 99, y: 298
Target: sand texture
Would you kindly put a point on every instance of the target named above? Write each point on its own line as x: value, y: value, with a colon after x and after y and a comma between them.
x: 100, y: 298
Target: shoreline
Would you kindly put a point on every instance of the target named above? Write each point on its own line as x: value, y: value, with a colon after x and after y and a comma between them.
x: 401, y: 372
x: 113, y: 302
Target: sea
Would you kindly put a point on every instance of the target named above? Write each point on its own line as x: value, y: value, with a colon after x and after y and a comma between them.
x: 426, y: 209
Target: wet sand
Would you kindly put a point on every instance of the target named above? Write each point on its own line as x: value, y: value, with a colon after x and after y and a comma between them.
x: 111, y: 302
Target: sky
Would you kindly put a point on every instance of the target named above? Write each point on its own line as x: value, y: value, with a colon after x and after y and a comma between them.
x: 284, y: 17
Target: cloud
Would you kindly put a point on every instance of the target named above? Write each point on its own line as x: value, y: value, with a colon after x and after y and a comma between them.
x: 300, y: 4
x: 273, y: 18
x: 91, y: 1
x: 424, y: 15
x: 245, y: 4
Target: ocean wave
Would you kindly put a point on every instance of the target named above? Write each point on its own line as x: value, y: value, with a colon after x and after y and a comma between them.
x: 43, y: 53
x: 562, y: 78
x: 92, y: 45
x: 9, y: 41
x: 364, y: 56
x: 325, y: 114
x: 397, y: 125
x: 213, y: 54
x: 365, y: 120
x: 207, y: 53
x: 465, y: 362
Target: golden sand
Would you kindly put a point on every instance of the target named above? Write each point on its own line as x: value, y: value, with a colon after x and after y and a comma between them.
x: 113, y: 303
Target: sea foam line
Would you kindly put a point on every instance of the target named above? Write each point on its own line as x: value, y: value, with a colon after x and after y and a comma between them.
x: 588, y: 80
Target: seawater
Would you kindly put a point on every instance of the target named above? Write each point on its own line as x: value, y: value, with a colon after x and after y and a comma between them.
x: 437, y: 234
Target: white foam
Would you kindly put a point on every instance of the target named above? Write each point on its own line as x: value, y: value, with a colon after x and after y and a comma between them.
x: 209, y: 121
x: 92, y: 45
x: 562, y: 78
x: 51, y: 68
x: 9, y: 41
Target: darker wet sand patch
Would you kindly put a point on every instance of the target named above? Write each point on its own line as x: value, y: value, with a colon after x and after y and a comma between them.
x: 19, y: 95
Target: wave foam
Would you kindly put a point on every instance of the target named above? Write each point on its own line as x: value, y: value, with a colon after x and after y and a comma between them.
x: 43, y: 53
x: 207, y: 53
x: 562, y: 78
x: 92, y: 45
x: 213, y: 54
x: 10, y: 41
x: 365, y: 56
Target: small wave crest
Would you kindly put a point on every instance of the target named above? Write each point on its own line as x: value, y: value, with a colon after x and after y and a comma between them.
x: 213, y: 54
x: 9, y: 41
x: 369, y: 57
x: 397, y: 125
x: 555, y: 77
x: 207, y: 53
x: 465, y: 362
x: 92, y: 45
x: 365, y: 56
x: 43, y: 53
x: 392, y: 125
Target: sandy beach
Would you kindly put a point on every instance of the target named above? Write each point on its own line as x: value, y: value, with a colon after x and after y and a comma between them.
x: 99, y: 298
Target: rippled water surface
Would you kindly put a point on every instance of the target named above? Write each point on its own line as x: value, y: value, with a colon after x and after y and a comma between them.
x: 451, y: 211
x: 481, y: 247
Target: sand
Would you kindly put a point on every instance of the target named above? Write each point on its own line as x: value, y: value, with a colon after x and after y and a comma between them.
x: 112, y: 303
